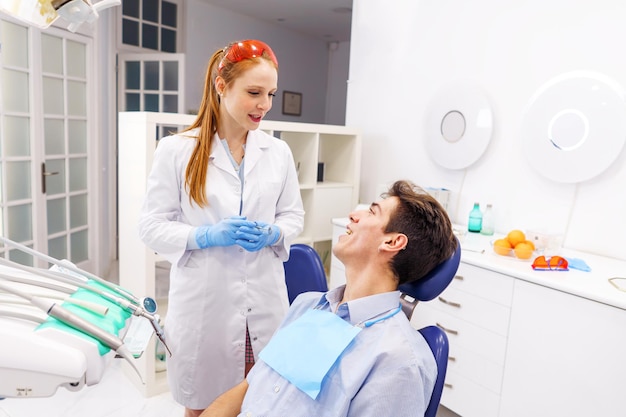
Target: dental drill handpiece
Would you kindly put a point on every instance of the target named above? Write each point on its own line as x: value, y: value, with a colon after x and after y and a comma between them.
x: 109, y: 340
x: 158, y: 330
x: 136, y: 310
x: 152, y: 318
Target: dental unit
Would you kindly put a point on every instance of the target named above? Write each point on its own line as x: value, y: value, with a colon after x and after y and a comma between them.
x: 144, y: 307
x: 60, y: 327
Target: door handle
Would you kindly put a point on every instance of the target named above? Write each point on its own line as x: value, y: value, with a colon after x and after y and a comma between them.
x: 45, y: 174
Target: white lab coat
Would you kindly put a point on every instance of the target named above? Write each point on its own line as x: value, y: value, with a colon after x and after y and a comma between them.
x: 214, y: 291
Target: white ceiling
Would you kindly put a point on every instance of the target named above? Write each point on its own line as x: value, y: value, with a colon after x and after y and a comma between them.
x: 328, y: 20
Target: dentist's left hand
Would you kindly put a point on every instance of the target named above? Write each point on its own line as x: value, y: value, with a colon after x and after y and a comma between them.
x: 223, y: 233
x: 257, y: 237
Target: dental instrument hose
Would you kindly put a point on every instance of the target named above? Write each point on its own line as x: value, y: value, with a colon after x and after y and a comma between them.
x: 136, y: 309
x: 71, y: 267
x: 122, y: 302
x: 88, y: 305
x: 58, y: 312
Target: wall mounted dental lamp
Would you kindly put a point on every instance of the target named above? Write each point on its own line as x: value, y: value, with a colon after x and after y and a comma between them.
x: 43, y: 13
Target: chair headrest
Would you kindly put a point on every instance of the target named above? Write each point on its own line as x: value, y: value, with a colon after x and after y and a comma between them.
x: 435, y: 281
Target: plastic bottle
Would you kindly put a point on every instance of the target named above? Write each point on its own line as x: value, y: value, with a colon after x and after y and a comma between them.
x: 475, y: 219
x: 488, y: 221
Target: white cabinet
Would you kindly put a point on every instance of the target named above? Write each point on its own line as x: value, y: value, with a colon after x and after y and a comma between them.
x: 474, y: 311
x: 337, y: 269
x: 565, y: 356
x: 337, y: 147
x: 520, y: 349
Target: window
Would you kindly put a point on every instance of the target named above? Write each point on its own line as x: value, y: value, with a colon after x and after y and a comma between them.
x: 150, y: 24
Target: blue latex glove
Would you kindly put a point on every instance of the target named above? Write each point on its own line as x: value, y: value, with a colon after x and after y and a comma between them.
x: 256, y: 238
x: 223, y: 233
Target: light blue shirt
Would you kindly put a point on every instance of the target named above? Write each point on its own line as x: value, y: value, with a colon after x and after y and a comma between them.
x: 388, y: 370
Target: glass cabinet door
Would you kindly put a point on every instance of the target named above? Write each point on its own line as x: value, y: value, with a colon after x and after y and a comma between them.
x: 45, y: 116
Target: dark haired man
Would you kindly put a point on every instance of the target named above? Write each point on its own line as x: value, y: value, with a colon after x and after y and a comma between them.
x: 351, y: 351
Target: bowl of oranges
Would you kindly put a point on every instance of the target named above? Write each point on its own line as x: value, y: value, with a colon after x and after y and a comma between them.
x: 514, y: 245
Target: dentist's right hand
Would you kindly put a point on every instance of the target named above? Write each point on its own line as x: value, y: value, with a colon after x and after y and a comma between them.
x: 223, y: 233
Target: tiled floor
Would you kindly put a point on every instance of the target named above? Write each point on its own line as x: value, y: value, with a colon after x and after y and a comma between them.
x: 444, y: 412
x: 114, y: 396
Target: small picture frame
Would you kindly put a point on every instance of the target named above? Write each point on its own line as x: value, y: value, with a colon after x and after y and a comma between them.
x: 292, y: 103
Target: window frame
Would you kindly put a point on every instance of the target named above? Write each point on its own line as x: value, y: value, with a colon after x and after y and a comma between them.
x: 122, y: 47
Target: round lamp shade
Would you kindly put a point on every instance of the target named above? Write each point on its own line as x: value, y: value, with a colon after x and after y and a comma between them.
x: 574, y: 126
x: 458, y: 125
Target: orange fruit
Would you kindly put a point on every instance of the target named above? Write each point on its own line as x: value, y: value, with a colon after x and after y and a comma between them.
x: 530, y: 242
x: 515, y: 236
x: 523, y: 250
x: 502, y: 247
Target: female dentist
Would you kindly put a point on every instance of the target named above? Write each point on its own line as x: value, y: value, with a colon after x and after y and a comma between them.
x: 223, y: 206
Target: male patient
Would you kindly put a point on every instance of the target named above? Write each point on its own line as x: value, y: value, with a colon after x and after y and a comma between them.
x: 351, y: 351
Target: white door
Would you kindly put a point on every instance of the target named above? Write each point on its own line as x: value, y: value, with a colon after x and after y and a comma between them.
x: 48, y: 155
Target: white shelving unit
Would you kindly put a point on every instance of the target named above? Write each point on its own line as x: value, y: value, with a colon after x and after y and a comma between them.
x: 337, y: 147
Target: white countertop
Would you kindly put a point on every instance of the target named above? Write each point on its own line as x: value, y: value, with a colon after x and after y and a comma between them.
x: 593, y: 285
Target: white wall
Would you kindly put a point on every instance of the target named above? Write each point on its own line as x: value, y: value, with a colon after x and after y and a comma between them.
x: 337, y: 90
x: 404, y: 51
x: 107, y: 129
x: 303, y: 60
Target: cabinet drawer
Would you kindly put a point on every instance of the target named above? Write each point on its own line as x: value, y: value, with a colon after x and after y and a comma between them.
x: 467, y: 398
x: 474, y: 309
x: 483, y: 342
x: 484, y: 283
x: 476, y: 368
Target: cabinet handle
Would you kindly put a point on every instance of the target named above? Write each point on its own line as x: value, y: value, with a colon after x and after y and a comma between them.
x: 452, y: 358
x: 447, y: 385
x: 447, y: 330
x: 459, y: 277
x: 450, y: 303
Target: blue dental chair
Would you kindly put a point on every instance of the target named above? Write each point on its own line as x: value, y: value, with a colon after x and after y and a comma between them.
x: 304, y: 271
x: 426, y: 289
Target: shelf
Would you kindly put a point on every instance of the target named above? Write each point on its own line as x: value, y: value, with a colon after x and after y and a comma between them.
x: 333, y: 184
